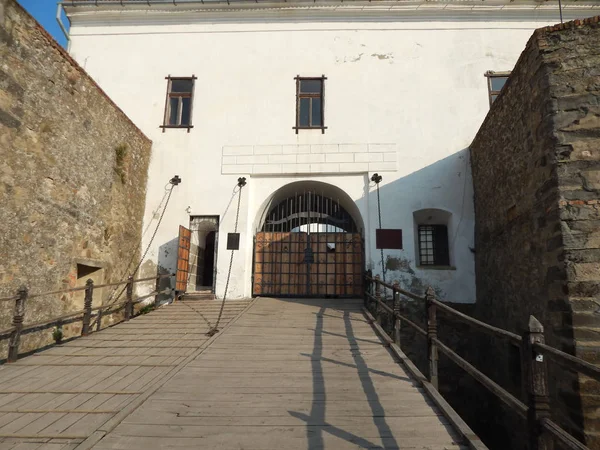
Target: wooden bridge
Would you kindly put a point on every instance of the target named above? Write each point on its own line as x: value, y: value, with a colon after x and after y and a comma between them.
x: 294, y: 374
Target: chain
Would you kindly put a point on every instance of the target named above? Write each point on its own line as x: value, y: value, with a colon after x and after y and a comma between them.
x: 126, y: 271
x: 155, y: 231
x: 112, y: 298
x: 379, y: 213
x: 214, y: 330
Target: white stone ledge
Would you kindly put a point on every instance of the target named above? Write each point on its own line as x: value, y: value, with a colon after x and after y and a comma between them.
x: 354, y: 148
x: 295, y: 149
x: 267, y: 168
x: 296, y: 168
x: 340, y: 157
x: 282, y: 159
x: 382, y: 167
x: 368, y: 157
x: 325, y: 168
x: 254, y: 159
x: 354, y: 167
x: 311, y: 158
x: 382, y: 148
x: 390, y: 156
x: 267, y: 149
x: 327, y: 148
x: 315, y: 158
x: 226, y: 160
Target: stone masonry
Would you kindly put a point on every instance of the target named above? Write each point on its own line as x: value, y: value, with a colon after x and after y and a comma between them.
x: 536, y: 174
x: 73, y: 172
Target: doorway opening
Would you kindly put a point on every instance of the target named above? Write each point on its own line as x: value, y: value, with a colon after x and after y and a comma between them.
x: 308, y: 244
x: 203, y: 253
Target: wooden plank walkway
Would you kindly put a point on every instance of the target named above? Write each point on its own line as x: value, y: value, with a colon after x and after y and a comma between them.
x: 292, y: 374
x: 59, y: 398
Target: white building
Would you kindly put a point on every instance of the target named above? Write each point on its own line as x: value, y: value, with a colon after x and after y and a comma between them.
x: 395, y: 87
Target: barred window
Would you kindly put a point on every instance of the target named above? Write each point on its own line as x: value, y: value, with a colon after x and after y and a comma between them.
x: 433, y: 245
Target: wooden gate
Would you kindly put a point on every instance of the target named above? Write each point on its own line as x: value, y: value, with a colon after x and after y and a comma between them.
x: 183, y: 259
x: 297, y: 264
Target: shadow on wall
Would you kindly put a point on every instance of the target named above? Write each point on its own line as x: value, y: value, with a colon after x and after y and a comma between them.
x: 168, y: 254
x: 439, y: 192
x: 167, y: 263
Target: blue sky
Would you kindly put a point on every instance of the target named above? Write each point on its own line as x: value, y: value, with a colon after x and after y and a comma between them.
x: 44, y: 12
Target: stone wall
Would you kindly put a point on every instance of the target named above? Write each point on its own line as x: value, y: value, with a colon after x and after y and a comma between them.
x: 536, y: 175
x: 73, y: 172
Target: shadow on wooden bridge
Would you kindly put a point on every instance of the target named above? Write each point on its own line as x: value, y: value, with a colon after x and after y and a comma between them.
x: 299, y: 374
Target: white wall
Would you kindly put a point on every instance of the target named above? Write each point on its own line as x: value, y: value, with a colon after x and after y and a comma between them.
x: 412, y: 91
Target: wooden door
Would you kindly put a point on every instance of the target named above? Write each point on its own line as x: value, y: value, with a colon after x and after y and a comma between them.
x: 338, y: 265
x: 301, y: 265
x: 279, y: 267
x: 183, y: 259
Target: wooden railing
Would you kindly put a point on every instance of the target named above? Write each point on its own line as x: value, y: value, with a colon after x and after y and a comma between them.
x: 18, y: 328
x: 542, y: 432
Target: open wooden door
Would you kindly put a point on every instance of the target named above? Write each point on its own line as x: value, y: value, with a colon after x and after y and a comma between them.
x: 183, y: 259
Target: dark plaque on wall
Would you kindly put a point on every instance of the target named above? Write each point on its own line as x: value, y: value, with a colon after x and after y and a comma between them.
x: 388, y: 239
x: 233, y: 241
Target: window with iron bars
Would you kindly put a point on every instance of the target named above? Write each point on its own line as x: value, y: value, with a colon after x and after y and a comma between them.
x: 179, y: 102
x: 433, y: 245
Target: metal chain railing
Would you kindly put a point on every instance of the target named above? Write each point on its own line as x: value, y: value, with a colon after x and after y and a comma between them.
x: 173, y: 182
x: 215, y: 329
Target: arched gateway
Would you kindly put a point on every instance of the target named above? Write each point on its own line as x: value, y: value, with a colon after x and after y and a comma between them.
x: 308, y: 245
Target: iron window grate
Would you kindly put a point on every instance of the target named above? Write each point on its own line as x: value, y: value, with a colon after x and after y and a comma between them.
x: 433, y: 245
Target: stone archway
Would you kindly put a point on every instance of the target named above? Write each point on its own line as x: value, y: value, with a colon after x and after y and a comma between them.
x: 309, y: 244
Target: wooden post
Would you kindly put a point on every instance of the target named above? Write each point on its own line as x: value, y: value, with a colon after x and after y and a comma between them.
x: 129, y: 302
x: 368, y: 287
x: 536, y: 372
x: 378, y: 297
x: 397, y: 322
x: 157, y: 289
x: 99, y: 320
x: 432, y: 352
x: 87, y: 307
x: 17, y: 323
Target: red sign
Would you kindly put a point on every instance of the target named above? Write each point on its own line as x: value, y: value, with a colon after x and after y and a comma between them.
x: 388, y: 239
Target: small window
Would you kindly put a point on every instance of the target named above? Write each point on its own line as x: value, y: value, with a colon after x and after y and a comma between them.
x: 433, y: 245
x: 178, y: 105
x: 310, y: 96
x: 496, y: 81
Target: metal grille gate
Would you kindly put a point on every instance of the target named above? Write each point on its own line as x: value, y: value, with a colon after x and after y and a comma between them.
x: 308, y: 247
